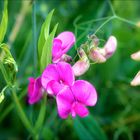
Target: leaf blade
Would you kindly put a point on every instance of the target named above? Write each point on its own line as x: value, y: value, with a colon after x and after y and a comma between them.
x: 4, y: 21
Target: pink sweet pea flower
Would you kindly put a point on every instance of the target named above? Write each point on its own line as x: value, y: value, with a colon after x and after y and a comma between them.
x: 97, y: 54
x: 100, y: 55
x: 61, y: 44
x: 110, y: 46
x: 34, y: 90
x: 56, y: 76
x: 73, y: 100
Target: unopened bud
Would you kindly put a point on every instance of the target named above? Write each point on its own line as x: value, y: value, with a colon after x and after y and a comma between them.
x: 110, y: 46
x: 66, y: 58
x: 136, y: 80
x: 97, y: 55
x: 82, y: 65
x: 136, y: 56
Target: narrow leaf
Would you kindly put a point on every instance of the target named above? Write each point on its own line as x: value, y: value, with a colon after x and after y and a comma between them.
x: 44, y: 33
x: 4, y: 21
x: 90, y: 128
x: 47, y: 50
x: 81, y: 130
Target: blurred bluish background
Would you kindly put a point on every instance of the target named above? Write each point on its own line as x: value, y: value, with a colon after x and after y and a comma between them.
x: 116, y: 115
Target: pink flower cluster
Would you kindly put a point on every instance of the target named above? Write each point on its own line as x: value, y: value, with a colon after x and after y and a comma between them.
x: 58, y: 79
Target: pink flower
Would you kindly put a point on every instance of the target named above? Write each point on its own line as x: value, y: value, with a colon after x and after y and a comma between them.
x: 100, y: 55
x: 56, y: 76
x: 110, y: 46
x: 97, y: 54
x: 73, y: 100
x: 34, y: 90
x: 61, y: 44
x: 82, y: 65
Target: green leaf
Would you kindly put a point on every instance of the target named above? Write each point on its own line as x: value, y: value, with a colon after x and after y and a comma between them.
x: 90, y: 129
x: 4, y: 21
x: 44, y: 33
x: 47, y: 50
x: 81, y: 130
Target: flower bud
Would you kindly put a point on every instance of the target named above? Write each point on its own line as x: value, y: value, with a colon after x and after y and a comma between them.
x: 110, y: 46
x: 66, y: 58
x: 82, y: 65
x: 94, y: 40
x: 136, y: 80
x: 136, y: 56
x: 97, y: 55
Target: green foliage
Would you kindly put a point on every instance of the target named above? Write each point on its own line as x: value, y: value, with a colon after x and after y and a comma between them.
x: 4, y: 22
x: 45, y: 42
x: 46, y: 56
x: 88, y: 128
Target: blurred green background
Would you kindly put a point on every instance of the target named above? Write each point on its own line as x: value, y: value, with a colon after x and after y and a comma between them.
x: 116, y: 115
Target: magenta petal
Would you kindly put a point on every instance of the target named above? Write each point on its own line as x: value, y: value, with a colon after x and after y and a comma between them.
x: 31, y: 86
x: 34, y: 90
x: 53, y: 87
x: 68, y: 39
x: 56, y: 50
x: 66, y: 73
x: 79, y: 109
x: 64, y: 101
x: 84, y: 92
x: 49, y: 74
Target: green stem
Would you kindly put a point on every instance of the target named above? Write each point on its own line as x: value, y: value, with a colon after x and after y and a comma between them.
x: 109, y: 19
x: 41, y: 115
x: 4, y: 73
x: 21, y: 113
x: 111, y: 7
x: 126, y: 20
x: 10, y: 107
x: 93, y: 20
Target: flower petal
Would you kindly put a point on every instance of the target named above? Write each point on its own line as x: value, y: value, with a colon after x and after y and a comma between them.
x: 49, y: 74
x: 31, y: 86
x: 66, y: 73
x: 136, y: 56
x: 84, y: 92
x: 80, y: 67
x: 110, y: 46
x: 79, y: 109
x: 35, y: 95
x: 97, y: 55
x: 68, y: 39
x: 56, y: 50
x: 53, y: 87
x: 64, y: 101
